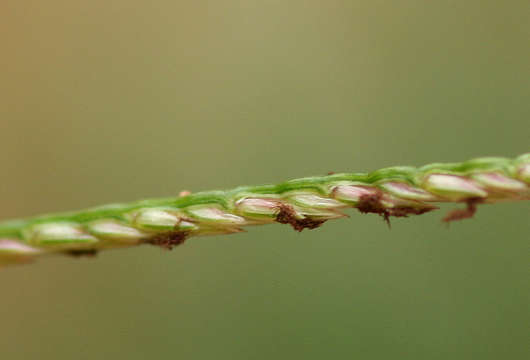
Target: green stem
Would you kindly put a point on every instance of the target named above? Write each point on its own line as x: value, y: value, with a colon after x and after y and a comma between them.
x: 302, y: 203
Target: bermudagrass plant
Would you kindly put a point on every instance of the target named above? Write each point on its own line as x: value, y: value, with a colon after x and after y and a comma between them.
x: 302, y: 203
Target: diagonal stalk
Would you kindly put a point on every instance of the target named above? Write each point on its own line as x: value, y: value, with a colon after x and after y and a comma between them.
x: 302, y: 203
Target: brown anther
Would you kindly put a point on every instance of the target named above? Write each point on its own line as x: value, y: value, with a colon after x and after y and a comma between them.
x: 287, y: 215
x: 82, y: 252
x: 168, y: 240
x: 405, y: 211
x: 371, y: 203
x: 460, y: 214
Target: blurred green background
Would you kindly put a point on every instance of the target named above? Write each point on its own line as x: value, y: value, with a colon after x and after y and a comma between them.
x: 108, y: 101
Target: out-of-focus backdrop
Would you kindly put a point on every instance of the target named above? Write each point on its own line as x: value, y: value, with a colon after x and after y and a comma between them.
x: 110, y: 101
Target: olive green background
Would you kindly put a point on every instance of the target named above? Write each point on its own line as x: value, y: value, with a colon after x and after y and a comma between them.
x: 107, y: 101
